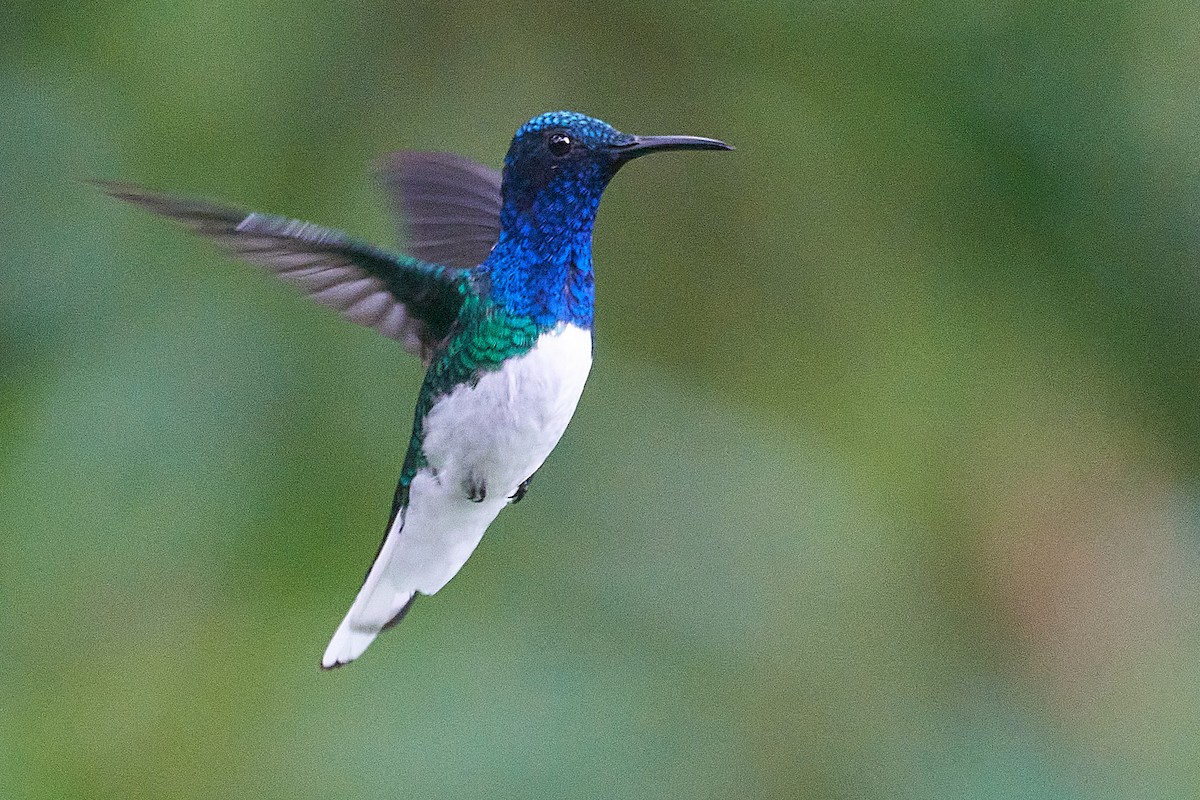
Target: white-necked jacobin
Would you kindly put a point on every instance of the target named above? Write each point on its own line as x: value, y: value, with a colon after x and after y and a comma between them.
x: 496, y: 298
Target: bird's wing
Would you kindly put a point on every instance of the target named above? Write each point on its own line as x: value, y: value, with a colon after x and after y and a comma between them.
x: 411, y: 301
x: 447, y: 206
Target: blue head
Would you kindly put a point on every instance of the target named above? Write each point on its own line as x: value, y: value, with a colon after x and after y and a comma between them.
x: 559, y: 163
x: 554, y: 173
x: 556, y: 168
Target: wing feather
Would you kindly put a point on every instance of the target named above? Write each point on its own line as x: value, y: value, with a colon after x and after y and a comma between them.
x: 406, y: 299
x: 447, y: 206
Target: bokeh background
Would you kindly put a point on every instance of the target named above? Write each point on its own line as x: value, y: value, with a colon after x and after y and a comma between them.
x: 886, y: 483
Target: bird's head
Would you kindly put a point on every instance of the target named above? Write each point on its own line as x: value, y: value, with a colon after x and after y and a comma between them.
x: 560, y: 162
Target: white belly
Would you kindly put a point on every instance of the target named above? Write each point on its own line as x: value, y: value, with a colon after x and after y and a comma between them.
x: 490, y: 436
x: 496, y: 433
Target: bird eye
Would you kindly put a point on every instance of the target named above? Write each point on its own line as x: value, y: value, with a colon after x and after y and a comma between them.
x: 559, y: 144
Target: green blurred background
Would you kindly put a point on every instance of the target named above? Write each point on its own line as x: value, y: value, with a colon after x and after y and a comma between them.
x: 886, y: 483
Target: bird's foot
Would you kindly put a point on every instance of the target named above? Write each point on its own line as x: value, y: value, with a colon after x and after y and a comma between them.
x: 476, y: 490
x: 519, y: 494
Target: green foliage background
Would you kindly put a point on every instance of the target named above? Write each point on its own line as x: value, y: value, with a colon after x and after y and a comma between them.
x: 885, y: 484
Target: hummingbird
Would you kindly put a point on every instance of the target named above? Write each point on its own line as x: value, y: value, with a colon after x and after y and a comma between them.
x: 494, y: 294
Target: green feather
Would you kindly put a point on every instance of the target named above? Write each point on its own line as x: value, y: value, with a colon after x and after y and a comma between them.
x: 484, y: 337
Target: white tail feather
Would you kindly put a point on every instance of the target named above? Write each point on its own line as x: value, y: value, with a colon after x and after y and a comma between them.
x: 427, y: 545
x: 378, y: 602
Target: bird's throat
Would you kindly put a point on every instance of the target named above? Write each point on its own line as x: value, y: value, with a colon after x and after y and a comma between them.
x: 544, y: 274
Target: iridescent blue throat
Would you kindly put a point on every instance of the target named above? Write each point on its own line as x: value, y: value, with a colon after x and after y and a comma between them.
x: 541, y: 267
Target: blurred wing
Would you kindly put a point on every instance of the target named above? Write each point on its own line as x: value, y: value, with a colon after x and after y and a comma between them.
x: 404, y: 299
x: 447, y: 206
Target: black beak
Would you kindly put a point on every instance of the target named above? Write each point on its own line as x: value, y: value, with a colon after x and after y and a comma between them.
x: 641, y: 145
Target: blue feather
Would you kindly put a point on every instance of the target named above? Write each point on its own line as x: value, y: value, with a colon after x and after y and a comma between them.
x: 541, y: 267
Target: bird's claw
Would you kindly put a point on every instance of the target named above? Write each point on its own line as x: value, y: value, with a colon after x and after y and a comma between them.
x: 519, y: 494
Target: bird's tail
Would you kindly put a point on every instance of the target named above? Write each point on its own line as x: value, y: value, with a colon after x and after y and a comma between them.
x: 428, y: 541
x: 379, y: 605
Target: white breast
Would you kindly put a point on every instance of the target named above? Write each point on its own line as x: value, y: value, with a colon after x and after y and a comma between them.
x: 494, y: 434
x: 501, y: 429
